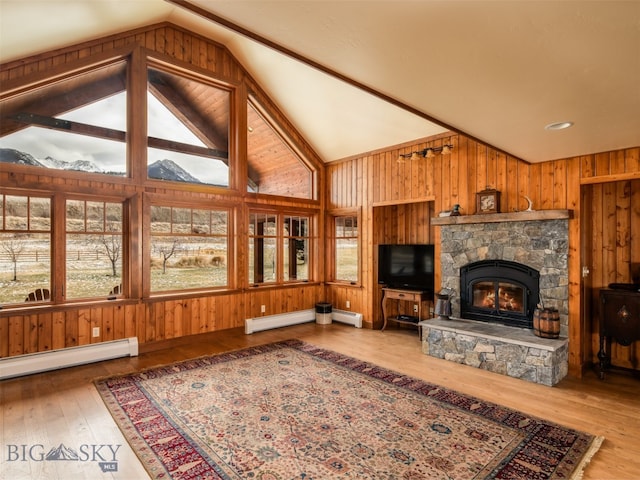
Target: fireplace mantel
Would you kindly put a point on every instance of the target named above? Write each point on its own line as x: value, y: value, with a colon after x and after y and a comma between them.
x: 524, y: 216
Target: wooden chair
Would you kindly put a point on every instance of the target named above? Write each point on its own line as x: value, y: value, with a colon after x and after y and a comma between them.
x: 39, y: 295
x: 117, y: 290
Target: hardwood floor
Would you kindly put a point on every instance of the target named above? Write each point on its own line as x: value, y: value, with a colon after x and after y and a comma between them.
x: 42, y: 411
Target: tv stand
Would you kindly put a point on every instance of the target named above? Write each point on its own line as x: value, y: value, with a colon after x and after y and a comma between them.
x: 403, y: 295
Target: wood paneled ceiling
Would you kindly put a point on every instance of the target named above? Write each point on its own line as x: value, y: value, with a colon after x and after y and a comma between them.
x: 357, y: 76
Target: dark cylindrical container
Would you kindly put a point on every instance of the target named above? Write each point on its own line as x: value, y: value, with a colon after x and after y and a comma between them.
x: 323, y: 313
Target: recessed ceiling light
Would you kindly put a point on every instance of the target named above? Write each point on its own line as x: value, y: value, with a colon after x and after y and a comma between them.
x: 558, y: 126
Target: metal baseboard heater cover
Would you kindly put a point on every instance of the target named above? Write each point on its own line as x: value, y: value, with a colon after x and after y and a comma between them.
x: 345, y: 316
x: 67, y: 357
x: 268, y: 322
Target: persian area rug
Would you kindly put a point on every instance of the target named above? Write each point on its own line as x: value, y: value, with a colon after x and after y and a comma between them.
x: 293, y: 410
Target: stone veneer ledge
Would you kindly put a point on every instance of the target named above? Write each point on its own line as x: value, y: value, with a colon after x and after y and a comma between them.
x: 511, y: 351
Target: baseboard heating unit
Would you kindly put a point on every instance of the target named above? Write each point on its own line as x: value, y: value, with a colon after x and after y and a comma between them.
x: 67, y: 357
x: 344, y: 316
x: 268, y: 322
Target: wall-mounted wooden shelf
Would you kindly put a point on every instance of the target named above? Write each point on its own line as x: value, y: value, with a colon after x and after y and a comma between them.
x: 524, y: 216
x: 391, y: 203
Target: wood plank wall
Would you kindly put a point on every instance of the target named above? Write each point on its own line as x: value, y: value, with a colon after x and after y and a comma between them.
x: 156, y: 319
x: 385, y: 193
x: 389, y: 192
x: 611, y: 224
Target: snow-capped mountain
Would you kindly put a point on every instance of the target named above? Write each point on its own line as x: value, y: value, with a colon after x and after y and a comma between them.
x: 160, y: 169
x: 10, y: 155
x: 170, y: 170
x: 78, y: 165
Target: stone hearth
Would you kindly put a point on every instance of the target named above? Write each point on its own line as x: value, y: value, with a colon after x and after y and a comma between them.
x: 511, y: 351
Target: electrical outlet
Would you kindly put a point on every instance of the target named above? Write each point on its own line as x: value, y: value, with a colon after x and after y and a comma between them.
x: 415, y: 309
x: 96, y: 331
x: 348, y: 304
x: 263, y: 308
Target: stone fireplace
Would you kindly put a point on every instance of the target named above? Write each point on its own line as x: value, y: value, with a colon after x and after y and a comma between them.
x: 499, y: 268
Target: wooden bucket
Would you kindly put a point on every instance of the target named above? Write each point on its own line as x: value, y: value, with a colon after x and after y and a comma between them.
x: 546, y: 322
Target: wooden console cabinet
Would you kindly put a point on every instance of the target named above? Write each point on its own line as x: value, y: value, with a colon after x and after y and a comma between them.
x: 619, y: 321
x: 399, y: 295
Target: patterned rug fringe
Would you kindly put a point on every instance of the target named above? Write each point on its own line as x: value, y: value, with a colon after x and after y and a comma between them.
x: 593, y: 449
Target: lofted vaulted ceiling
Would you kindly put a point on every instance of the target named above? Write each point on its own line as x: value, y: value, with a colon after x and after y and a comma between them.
x: 355, y: 76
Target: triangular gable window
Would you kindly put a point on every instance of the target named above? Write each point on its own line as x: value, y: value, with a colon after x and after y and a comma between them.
x: 274, y: 167
x: 188, y: 130
x: 76, y: 124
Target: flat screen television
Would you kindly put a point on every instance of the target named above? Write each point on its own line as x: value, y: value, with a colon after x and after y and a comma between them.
x: 406, y: 266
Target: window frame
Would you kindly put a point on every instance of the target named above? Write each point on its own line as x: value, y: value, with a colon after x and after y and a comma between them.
x: 87, y: 130
x: 152, y: 62
x: 134, y: 189
x: 124, y: 255
x: 58, y: 243
x: 280, y: 215
x: 271, y: 120
x: 332, y: 258
x: 150, y: 201
x: 289, y: 254
x: 29, y: 195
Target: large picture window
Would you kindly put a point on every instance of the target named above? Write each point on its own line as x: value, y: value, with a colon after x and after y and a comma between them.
x: 122, y: 197
x: 25, y: 249
x: 189, y: 248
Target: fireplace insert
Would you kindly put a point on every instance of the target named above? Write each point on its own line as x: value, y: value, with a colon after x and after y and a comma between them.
x: 499, y: 291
